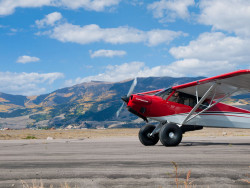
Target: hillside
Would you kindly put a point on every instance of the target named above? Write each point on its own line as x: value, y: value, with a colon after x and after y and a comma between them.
x: 87, y: 105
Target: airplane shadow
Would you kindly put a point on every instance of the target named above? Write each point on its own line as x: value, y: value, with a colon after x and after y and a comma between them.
x: 200, y: 143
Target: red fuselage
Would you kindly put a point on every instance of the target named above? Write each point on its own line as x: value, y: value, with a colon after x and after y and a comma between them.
x: 155, y: 107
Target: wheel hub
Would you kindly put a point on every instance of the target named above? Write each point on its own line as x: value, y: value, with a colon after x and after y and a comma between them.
x: 149, y: 135
x: 171, y: 135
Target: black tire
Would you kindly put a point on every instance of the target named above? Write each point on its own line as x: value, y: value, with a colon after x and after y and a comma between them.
x: 170, y: 134
x: 144, y: 137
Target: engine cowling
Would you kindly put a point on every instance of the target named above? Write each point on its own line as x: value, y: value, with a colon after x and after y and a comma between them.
x: 140, y: 99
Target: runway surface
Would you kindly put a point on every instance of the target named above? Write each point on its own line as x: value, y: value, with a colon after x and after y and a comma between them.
x: 124, y: 162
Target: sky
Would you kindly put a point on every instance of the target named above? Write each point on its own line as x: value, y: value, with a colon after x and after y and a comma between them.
x: 51, y: 44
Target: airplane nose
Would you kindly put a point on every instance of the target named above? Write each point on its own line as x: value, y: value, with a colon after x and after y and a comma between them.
x: 125, y: 98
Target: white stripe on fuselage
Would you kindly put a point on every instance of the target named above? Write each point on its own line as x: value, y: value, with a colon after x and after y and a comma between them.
x: 212, y: 119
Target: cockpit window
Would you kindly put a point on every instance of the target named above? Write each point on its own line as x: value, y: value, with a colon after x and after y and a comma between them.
x: 164, y: 94
x: 183, y: 98
x: 186, y: 99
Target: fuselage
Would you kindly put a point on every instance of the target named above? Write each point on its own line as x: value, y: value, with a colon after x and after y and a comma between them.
x: 161, y: 107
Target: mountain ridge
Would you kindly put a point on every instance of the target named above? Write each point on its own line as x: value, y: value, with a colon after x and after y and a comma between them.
x: 86, y: 105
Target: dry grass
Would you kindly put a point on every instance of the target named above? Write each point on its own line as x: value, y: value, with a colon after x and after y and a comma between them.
x: 40, y: 184
x: 34, y: 184
x: 101, y: 133
x: 246, y: 180
x: 187, y: 183
x: 66, y: 134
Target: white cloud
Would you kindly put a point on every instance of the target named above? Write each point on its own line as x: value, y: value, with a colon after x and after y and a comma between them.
x: 8, y: 7
x: 27, y: 59
x: 227, y: 15
x: 125, y: 71
x: 26, y: 83
x: 217, y: 52
x: 196, y: 67
x: 13, y: 30
x: 49, y: 20
x: 66, y: 32
x: 157, y: 36
x: 107, y: 53
x: 93, y: 33
x: 136, y: 2
x: 187, y: 67
x: 96, y: 5
x: 215, y: 47
x: 169, y: 10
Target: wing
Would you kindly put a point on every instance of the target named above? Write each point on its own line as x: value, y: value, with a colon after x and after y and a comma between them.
x: 237, y: 82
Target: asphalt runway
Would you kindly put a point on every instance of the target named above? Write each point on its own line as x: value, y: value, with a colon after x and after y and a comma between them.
x: 124, y: 162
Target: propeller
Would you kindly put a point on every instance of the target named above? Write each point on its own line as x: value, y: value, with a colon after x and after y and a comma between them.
x: 126, y: 98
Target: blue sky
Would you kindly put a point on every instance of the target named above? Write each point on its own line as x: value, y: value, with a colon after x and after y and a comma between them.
x: 50, y: 44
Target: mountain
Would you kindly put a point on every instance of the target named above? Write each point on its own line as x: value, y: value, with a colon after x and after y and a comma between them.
x: 87, y: 105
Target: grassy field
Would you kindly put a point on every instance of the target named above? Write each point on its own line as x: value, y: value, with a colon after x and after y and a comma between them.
x: 100, y: 133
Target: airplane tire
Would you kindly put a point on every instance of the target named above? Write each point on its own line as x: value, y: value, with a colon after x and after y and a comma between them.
x: 144, y: 137
x: 170, y: 134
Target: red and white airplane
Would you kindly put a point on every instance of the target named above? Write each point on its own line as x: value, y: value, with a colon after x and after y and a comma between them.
x: 189, y: 107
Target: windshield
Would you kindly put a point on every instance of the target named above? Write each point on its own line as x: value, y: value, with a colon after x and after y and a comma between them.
x: 164, y: 93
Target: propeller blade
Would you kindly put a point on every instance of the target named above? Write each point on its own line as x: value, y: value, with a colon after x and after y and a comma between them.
x: 120, y: 109
x: 128, y: 95
x: 132, y: 87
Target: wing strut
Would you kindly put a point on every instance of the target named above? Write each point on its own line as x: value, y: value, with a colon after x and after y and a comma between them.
x: 199, y: 102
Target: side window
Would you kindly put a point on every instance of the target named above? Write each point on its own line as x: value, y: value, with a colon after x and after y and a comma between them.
x: 186, y: 99
x: 190, y: 102
x: 177, y: 97
x: 183, y: 98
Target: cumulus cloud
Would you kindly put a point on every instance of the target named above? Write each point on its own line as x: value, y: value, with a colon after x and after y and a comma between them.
x: 26, y: 83
x: 196, y: 67
x: 96, y: 5
x: 93, y: 33
x: 107, y: 53
x: 227, y: 15
x: 217, y: 52
x: 8, y: 7
x: 170, y: 10
x: 157, y: 36
x: 215, y: 47
x: 187, y: 67
x: 125, y: 71
x: 49, y: 20
x: 67, y: 32
x: 27, y: 59
x: 121, y: 35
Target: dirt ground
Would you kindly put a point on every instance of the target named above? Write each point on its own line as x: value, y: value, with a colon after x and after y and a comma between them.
x: 103, y: 133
